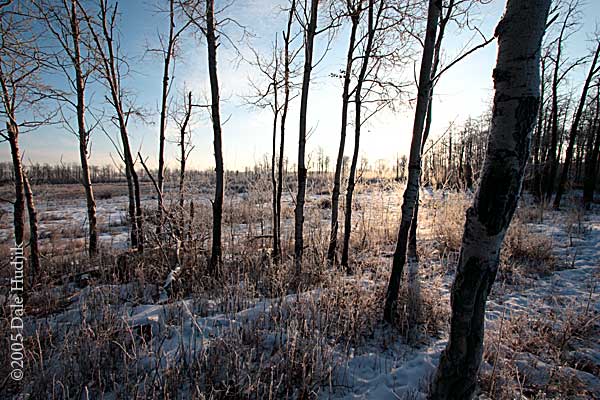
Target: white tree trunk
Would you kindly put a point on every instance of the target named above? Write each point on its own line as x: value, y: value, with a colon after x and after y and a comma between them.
x: 516, y: 101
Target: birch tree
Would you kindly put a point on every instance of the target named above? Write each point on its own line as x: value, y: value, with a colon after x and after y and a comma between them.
x: 310, y: 31
x: 181, y: 118
x: 63, y: 20
x: 376, y: 51
x: 516, y: 101
x: 373, y: 20
x: 353, y: 10
x: 169, y: 44
x: 22, y: 92
x: 210, y: 22
x: 288, y: 57
x: 216, y: 257
x: 106, y: 46
x: 274, y: 93
x: 414, y: 164
x: 593, y: 70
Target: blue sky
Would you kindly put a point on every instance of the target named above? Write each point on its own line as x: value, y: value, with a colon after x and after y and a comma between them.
x: 464, y: 91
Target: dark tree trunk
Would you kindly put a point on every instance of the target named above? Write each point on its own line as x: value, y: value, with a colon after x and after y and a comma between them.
x: 284, y: 111
x: 309, y: 38
x: 286, y: 101
x: 131, y: 206
x: 337, y: 176
x: 574, y: 130
x: 357, y: 130
x: 591, y: 159
x: 136, y: 195
x: 110, y: 72
x: 414, y: 167
x: 182, y: 163
x: 83, y: 134
x: 163, y: 113
x: 552, y: 158
x: 216, y: 257
x: 516, y: 101
x: 19, y: 204
x: 537, y: 141
x: 275, y: 231
x: 412, y: 238
x: 413, y: 256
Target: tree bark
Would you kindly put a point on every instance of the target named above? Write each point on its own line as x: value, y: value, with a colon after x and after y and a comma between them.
x: 335, y: 196
x: 112, y: 75
x: 412, y: 238
x: 539, y: 133
x: 275, y: 213
x: 552, y: 159
x: 19, y: 204
x: 83, y: 134
x: 216, y: 257
x: 574, y: 130
x: 516, y: 101
x: 284, y: 111
x: 163, y: 113
x: 138, y: 221
x: 309, y: 38
x: 182, y: 163
x: 413, y: 256
x: 591, y: 159
x: 34, y: 251
x: 357, y: 130
x: 414, y: 167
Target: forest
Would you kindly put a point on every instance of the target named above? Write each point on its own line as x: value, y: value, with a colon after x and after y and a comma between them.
x: 154, y: 264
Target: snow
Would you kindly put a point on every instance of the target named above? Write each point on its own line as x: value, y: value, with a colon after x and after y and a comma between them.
x: 373, y: 370
x: 403, y: 371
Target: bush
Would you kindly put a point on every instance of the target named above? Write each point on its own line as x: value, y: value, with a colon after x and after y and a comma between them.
x: 528, y: 249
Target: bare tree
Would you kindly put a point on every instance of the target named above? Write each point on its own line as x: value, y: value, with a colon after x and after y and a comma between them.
x: 168, y: 51
x: 310, y: 31
x: 184, y: 143
x: 457, y: 11
x: 353, y: 10
x: 561, y: 68
x: 575, y: 128
x: 276, y: 110
x: 107, y: 49
x: 276, y: 71
x: 211, y: 41
x: 288, y: 57
x: 516, y: 101
x: 414, y: 164
x: 373, y: 21
x: 540, y: 131
x: 592, y: 153
x: 63, y: 21
x: 21, y: 63
x: 205, y: 19
x: 377, y: 47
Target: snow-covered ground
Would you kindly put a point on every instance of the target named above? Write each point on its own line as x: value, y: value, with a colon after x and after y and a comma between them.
x: 404, y: 372
x: 383, y: 366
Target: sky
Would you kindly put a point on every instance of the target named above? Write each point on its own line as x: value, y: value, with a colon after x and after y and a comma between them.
x: 465, y: 90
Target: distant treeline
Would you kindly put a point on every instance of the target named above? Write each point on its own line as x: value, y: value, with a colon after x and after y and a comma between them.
x: 72, y: 173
